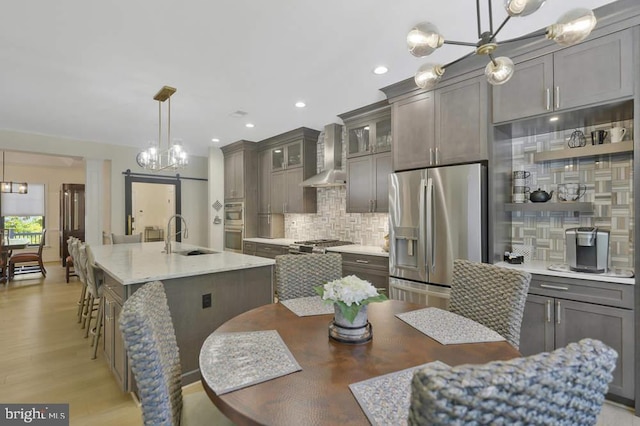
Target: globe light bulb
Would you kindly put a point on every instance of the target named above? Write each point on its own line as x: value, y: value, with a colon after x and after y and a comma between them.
x: 499, y: 70
x: 572, y: 27
x: 522, y: 7
x: 428, y: 75
x: 424, y: 39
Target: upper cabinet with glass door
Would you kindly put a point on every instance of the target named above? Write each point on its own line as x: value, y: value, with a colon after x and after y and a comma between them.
x: 287, y: 157
x: 368, y: 129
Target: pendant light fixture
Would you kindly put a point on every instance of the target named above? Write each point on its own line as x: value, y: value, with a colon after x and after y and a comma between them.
x: 9, y: 187
x: 155, y: 158
x: 424, y: 39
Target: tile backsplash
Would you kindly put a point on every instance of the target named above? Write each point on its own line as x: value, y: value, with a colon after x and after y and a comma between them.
x: 608, y: 180
x: 332, y: 219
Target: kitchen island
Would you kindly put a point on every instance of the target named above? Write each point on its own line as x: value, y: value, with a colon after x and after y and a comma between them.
x: 204, y: 290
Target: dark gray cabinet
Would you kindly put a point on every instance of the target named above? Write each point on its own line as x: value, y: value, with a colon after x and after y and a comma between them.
x: 234, y: 175
x: 592, y: 72
x: 368, y: 183
x: 560, y: 311
x: 374, y: 269
x: 446, y: 126
x: 369, y: 158
x: 291, y: 158
x: 461, y: 122
x: 413, y: 131
x: 264, y: 182
x: 114, y: 351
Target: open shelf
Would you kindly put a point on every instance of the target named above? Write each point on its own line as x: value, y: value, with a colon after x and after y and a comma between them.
x: 584, y: 151
x: 565, y: 206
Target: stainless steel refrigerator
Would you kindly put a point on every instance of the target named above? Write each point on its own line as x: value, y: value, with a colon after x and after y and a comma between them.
x: 436, y: 215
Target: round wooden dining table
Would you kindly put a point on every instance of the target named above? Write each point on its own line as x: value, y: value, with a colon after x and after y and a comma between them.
x: 320, y: 394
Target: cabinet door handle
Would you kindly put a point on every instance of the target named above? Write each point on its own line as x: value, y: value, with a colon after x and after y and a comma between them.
x: 548, y: 107
x: 437, y: 155
x: 431, y: 156
x: 362, y: 261
x: 554, y: 287
x: 558, y: 320
x: 548, y: 310
x: 557, y: 97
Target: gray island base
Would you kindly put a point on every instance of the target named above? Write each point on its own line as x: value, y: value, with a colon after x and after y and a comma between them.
x: 203, y: 292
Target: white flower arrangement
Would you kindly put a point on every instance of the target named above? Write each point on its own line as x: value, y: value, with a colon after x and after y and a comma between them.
x: 350, y: 294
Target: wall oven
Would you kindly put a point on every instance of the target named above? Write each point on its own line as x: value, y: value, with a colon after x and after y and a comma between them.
x: 233, y: 237
x: 234, y: 214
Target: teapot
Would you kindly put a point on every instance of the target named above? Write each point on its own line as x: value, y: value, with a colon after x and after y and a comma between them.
x: 540, y: 196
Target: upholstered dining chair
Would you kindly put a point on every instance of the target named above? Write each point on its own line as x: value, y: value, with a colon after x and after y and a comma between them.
x: 69, y: 271
x: 79, y: 266
x: 563, y: 387
x: 126, y: 239
x: 150, y: 341
x: 296, y: 275
x: 29, y: 261
x: 491, y: 295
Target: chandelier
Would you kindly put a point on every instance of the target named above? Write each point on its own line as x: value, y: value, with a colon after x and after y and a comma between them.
x: 156, y: 158
x: 12, y: 187
x: 423, y: 39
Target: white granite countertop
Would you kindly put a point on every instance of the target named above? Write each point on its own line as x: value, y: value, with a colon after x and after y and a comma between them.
x: 541, y: 268
x: 144, y: 262
x: 274, y: 241
x: 359, y: 249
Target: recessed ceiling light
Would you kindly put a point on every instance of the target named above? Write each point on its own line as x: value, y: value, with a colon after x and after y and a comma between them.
x: 554, y: 118
x: 249, y: 125
x: 380, y: 70
x: 215, y: 140
x: 300, y: 104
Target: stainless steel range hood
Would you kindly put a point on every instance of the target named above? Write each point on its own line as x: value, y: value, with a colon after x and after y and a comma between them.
x: 332, y: 174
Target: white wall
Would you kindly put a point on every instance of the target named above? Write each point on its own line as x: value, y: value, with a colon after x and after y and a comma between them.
x: 121, y: 158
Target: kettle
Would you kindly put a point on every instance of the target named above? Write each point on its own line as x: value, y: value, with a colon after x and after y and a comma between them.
x: 540, y: 196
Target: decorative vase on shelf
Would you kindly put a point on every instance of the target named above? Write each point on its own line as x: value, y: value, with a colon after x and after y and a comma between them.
x: 350, y: 297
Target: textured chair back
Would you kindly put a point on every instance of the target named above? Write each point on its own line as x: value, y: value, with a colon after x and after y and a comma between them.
x: 78, y: 264
x: 93, y: 275
x: 491, y: 295
x: 126, y: 239
x: 564, y: 387
x: 296, y: 275
x: 150, y: 340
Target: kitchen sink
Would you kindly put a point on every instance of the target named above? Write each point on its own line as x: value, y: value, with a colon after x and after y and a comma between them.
x: 195, y: 252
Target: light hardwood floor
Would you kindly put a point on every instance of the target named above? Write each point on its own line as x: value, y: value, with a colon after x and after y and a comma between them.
x: 44, y: 357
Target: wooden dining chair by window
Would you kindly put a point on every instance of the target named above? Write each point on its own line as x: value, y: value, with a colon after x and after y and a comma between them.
x: 296, y: 275
x: 126, y: 239
x: 563, y: 387
x: 150, y: 341
x: 491, y: 295
x: 4, y: 255
x: 29, y: 262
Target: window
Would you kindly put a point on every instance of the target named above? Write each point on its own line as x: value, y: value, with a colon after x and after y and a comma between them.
x: 23, y: 214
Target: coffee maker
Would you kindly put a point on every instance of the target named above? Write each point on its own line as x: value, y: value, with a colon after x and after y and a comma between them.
x: 587, y: 249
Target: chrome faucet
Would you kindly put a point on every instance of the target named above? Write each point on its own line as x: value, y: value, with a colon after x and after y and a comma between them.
x: 185, y: 233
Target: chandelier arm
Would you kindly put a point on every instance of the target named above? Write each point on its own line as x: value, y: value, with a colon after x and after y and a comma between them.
x: 499, y: 28
x: 459, y: 59
x: 525, y: 37
x: 490, y: 16
x: 493, y: 61
x: 460, y: 43
x: 169, y: 126
x: 478, y: 18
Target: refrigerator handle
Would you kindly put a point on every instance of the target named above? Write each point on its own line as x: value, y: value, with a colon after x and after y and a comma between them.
x: 422, y: 237
x: 429, y: 224
x: 432, y: 218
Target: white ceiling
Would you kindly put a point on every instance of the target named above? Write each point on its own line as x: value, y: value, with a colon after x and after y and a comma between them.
x: 89, y: 70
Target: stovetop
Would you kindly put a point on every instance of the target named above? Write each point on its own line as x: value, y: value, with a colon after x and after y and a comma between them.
x: 315, y: 246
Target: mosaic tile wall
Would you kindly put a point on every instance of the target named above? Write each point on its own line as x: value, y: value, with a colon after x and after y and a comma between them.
x: 332, y: 219
x: 609, y: 187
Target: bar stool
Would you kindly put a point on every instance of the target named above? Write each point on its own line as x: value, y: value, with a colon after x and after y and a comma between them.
x: 94, y: 287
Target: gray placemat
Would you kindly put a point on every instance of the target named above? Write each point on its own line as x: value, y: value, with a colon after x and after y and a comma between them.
x: 306, y: 306
x: 385, y: 399
x: 448, y: 328
x: 231, y: 361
